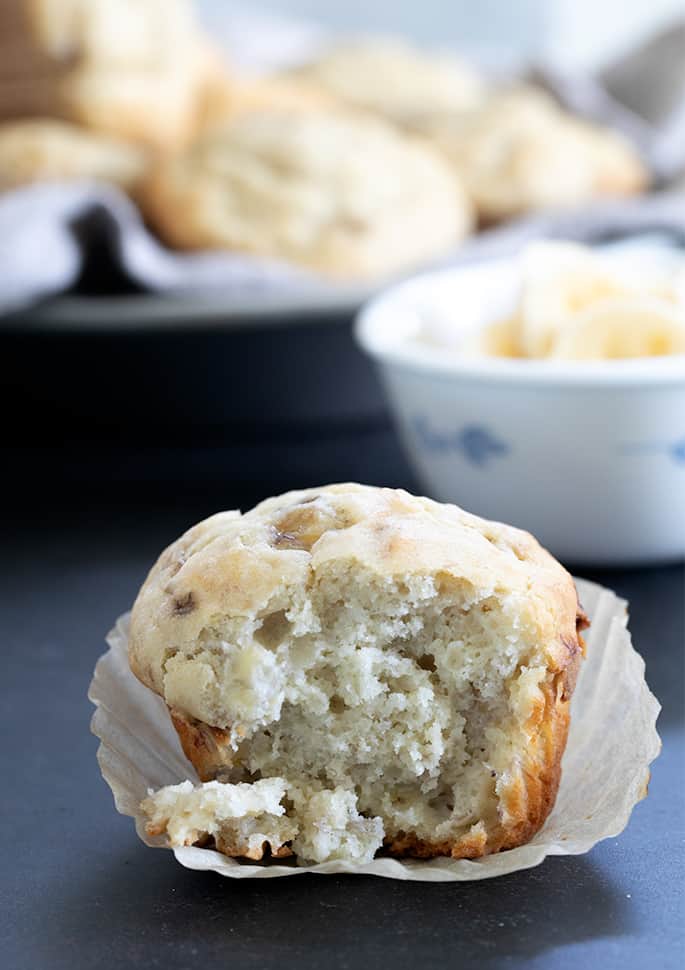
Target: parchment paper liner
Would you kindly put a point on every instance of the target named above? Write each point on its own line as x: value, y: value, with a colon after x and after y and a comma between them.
x: 611, y: 743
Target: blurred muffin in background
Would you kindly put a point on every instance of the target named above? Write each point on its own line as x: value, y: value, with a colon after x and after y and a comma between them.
x: 225, y: 97
x: 394, y: 80
x: 515, y: 149
x: 365, y: 162
x: 520, y: 152
x: 38, y: 150
x: 348, y: 196
x: 130, y: 69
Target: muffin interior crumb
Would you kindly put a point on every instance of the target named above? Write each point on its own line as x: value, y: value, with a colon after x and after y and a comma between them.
x: 249, y: 821
x: 410, y: 694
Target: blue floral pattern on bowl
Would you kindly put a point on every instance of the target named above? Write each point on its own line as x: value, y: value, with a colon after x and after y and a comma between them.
x: 678, y: 451
x: 675, y: 450
x: 476, y: 443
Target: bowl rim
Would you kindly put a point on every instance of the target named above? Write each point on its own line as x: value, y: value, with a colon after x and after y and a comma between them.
x: 431, y: 359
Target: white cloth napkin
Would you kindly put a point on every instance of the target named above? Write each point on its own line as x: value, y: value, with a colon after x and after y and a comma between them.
x: 641, y: 95
x: 41, y: 255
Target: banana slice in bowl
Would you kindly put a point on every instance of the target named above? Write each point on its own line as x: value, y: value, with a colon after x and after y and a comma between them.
x: 560, y: 280
x: 623, y: 328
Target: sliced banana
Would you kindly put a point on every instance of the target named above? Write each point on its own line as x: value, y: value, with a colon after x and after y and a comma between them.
x: 560, y: 280
x: 573, y: 304
x: 499, y: 339
x: 622, y: 328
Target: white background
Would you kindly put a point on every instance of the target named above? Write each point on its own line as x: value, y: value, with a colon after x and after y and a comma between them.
x: 570, y: 33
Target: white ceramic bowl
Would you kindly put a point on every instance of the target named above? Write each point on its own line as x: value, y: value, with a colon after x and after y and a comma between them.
x: 590, y: 457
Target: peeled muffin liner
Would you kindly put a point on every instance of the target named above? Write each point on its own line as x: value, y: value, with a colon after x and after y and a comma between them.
x: 605, y: 768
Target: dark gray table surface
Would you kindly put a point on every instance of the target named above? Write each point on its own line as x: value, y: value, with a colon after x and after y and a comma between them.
x: 77, y: 888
